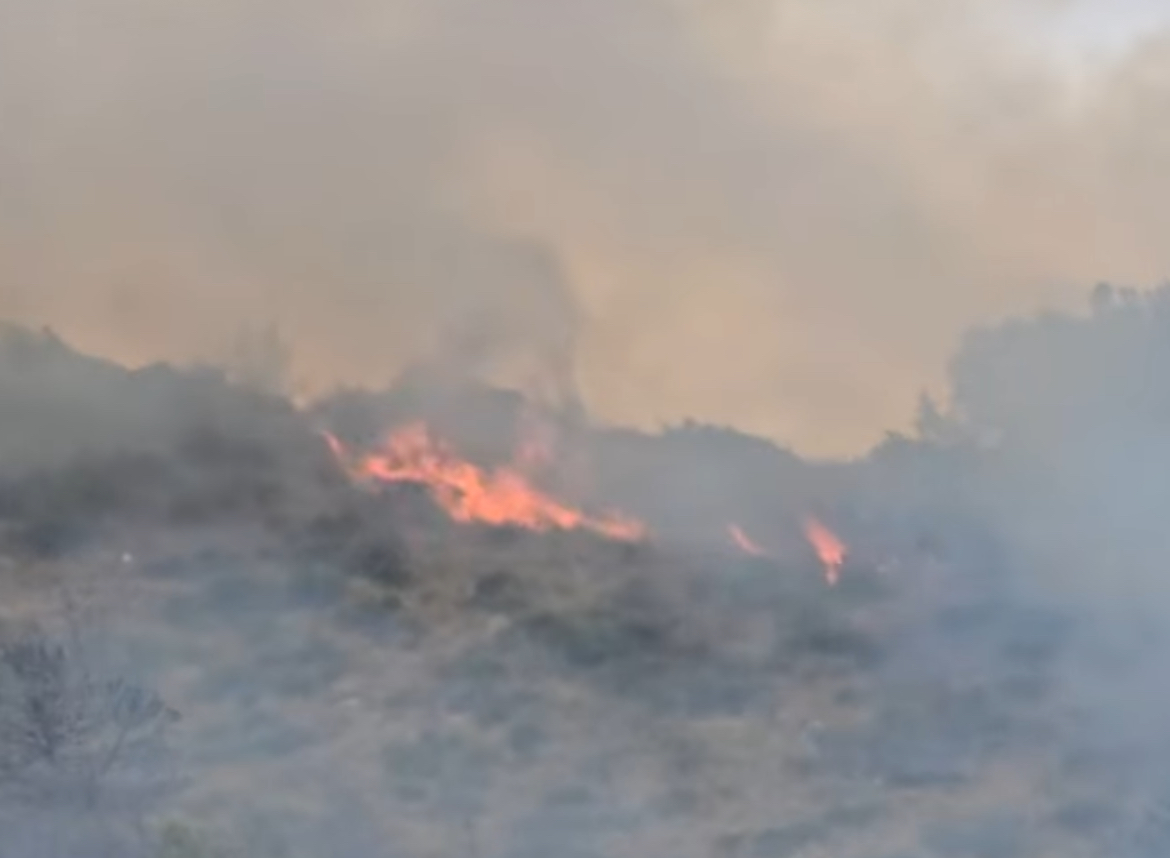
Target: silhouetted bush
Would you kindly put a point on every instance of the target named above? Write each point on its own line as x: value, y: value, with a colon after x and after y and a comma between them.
x: 67, y: 736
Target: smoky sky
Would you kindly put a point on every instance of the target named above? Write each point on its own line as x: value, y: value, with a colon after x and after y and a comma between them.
x: 776, y: 215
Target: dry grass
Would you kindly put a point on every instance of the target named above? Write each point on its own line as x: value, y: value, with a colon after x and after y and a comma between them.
x: 535, y: 695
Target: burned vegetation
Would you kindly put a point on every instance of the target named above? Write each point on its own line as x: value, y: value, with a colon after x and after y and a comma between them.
x: 230, y: 626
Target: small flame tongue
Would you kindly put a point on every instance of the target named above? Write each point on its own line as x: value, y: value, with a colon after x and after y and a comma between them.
x: 831, y: 551
x: 744, y: 542
x: 469, y: 493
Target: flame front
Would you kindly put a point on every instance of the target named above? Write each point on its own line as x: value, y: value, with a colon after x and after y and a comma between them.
x: 829, y: 548
x: 744, y: 542
x: 469, y: 493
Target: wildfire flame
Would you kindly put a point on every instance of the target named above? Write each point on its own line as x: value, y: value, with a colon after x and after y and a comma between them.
x: 744, y: 542
x: 469, y: 493
x: 829, y: 548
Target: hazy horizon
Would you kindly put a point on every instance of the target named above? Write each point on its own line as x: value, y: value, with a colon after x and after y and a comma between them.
x: 780, y: 216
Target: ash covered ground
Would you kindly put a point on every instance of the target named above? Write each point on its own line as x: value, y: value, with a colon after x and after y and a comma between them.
x: 216, y: 642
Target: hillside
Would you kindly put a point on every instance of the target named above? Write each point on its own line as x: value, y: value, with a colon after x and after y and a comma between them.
x: 355, y: 672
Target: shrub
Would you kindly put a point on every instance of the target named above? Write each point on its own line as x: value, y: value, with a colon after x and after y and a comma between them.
x: 66, y: 737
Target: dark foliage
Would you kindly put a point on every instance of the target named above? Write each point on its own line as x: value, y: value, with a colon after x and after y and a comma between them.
x: 360, y: 538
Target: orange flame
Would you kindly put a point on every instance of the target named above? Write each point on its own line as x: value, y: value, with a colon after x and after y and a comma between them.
x: 829, y: 548
x: 744, y: 542
x: 468, y: 493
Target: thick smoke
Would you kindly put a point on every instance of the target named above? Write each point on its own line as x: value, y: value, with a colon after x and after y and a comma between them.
x: 778, y: 215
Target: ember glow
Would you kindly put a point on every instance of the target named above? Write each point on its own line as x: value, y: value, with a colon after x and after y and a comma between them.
x: 468, y: 493
x: 829, y: 548
x: 744, y: 542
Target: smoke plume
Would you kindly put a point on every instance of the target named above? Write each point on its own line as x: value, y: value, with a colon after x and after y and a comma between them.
x: 777, y: 215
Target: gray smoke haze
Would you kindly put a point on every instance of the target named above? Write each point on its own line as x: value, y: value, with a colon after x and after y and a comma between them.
x: 357, y: 674
x: 777, y: 215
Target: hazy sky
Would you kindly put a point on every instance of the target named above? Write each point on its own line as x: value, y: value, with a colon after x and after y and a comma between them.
x: 779, y: 214
x: 1107, y: 26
